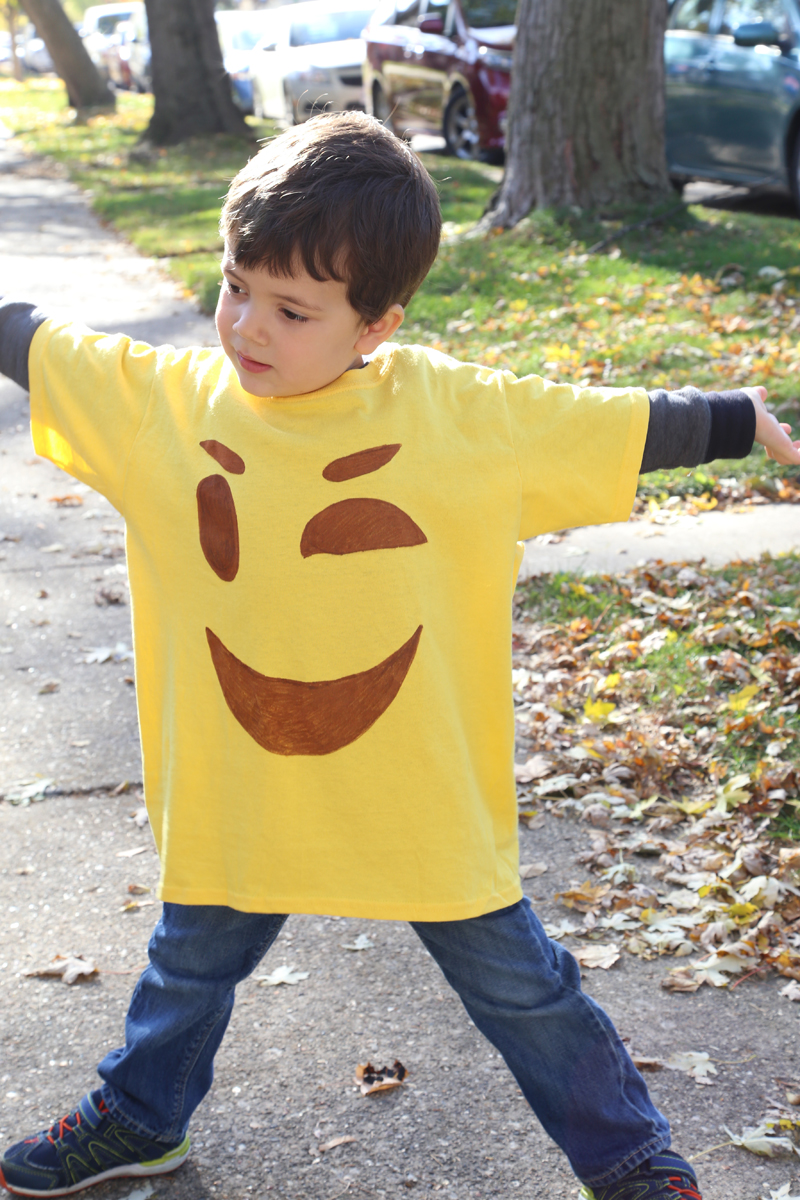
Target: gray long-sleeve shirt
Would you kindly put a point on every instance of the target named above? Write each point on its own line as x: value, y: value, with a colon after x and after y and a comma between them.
x: 686, y: 428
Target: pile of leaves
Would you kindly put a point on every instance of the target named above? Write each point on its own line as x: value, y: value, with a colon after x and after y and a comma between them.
x: 660, y: 707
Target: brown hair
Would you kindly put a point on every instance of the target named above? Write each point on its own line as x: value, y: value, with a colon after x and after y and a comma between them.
x: 345, y: 198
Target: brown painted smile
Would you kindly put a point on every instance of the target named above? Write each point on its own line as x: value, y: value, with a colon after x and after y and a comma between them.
x: 288, y: 716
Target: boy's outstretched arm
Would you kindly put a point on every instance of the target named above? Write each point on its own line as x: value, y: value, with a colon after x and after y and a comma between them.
x: 691, y: 427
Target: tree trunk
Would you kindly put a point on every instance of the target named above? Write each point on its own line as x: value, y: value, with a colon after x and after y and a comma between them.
x: 191, y: 87
x: 85, y: 88
x: 16, y: 62
x: 586, y: 112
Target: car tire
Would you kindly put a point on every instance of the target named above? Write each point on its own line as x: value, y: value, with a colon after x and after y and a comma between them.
x: 679, y: 182
x: 459, y: 126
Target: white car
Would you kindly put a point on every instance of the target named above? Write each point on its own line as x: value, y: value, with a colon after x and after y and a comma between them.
x: 239, y: 32
x: 313, y: 63
x: 99, y: 25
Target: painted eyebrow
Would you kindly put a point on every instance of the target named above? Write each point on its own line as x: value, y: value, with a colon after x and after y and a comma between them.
x: 363, y: 462
x: 223, y: 454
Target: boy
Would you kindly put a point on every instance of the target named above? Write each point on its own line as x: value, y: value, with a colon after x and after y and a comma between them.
x: 322, y: 553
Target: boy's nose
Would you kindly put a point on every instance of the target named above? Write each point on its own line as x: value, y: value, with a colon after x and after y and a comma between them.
x: 250, y: 326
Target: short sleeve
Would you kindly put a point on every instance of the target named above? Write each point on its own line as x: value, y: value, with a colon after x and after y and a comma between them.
x: 89, y: 394
x: 579, y: 451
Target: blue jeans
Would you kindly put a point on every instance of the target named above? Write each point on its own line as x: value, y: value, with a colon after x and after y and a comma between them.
x: 522, y: 990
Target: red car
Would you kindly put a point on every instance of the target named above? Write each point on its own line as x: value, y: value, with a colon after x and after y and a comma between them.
x: 442, y: 66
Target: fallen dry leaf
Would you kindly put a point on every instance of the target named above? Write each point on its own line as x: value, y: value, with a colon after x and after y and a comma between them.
x: 68, y: 501
x: 132, y: 853
x: 791, y: 991
x: 371, y: 1079
x: 48, y: 688
x: 138, y: 889
x: 596, y: 954
x: 282, y: 975
x: 696, y: 1064
x: 362, y: 942
x: 532, y: 870
x: 69, y: 967
x: 334, y: 1142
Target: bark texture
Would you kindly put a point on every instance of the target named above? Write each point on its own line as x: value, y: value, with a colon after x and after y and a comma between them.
x: 586, y: 112
x: 191, y: 88
x: 85, y: 88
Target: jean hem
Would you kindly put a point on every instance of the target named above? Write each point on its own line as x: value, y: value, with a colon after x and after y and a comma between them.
x: 629, y: 1163
x: 117, y: 1113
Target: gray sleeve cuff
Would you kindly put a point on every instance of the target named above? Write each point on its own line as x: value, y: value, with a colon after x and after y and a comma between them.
x: 679, y: 429
x: 19, y: 321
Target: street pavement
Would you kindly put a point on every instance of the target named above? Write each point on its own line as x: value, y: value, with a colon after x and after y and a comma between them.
x: 284, y: 1084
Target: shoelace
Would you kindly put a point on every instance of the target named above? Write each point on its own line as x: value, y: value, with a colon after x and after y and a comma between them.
x: 63, y: 1126
x: 690, y: 1191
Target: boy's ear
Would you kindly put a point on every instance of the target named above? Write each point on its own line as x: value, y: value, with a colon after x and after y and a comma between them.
x: 381, y: 330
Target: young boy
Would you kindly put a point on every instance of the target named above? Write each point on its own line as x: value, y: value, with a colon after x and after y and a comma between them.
x: 322, y: 545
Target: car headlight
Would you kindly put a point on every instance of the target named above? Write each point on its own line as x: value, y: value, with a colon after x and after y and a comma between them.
x: 497, y: 60
x: 313, y: 75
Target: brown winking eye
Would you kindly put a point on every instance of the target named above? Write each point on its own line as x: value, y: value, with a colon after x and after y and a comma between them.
x: 216, y: 513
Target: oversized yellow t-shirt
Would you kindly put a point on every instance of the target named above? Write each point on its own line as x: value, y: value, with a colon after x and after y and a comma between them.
x: 321, y: 592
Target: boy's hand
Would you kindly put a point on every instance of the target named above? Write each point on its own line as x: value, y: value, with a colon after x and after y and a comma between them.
x: 773, y: 436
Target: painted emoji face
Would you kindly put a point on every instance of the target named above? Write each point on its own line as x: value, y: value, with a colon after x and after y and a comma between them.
x: 293, y: 716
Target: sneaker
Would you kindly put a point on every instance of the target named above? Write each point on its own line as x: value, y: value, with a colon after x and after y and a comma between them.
x: 665, y: 1176
x: 83, y: 1148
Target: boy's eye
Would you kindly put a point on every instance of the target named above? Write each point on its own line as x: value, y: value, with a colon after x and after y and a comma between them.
x: 293, y: 316
x: 237, y: 291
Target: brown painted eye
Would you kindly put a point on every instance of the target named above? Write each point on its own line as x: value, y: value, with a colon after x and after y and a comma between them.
x: 219, y: 528
x: 227, y: 458
x: 363, y: 462
x: 361, y: 524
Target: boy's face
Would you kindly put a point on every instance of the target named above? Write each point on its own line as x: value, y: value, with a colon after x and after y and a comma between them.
x: 290, y: 335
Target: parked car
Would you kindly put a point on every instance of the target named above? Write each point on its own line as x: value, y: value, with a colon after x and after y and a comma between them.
x: 312, y: 62
x: 99, y: 26
x: 733, y: 92
x: 239, y: 33
x: 442, y: 66
x: 34, y: 54
x: 137, y: 49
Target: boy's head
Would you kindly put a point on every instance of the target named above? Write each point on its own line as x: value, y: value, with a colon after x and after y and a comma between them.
x: 328, y: 232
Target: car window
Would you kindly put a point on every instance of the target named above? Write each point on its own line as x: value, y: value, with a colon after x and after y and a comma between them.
x: 107, y: 24
x: 409, y: 13
x: 486, y: 14
x: 693, y: 15
x: 329, y: 27
x: 753, y: 12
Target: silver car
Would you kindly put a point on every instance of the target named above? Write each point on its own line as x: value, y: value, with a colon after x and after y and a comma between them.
x: 312, y: 63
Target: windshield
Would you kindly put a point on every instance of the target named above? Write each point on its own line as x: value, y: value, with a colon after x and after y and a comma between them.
x: 245, y: 39
x: 329, y: 27
x: 486, y: 14
x: 106, y: 25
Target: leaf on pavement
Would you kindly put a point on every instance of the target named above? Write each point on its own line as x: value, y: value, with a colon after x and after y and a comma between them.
x: 532, y: 870
x: 791, y: 991
x: 334, y: 1142
x: 132, y: 853
x: 380, y: 1079
x: 596, y: 954
x: 70, y: 967
x: 694, y: 1063
x: 280, y: 975
x: 762, y: 1140
x: 362, y: 942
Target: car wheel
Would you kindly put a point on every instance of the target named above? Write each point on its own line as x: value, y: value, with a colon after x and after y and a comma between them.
x: 460, y: 127
x: 679, y: 182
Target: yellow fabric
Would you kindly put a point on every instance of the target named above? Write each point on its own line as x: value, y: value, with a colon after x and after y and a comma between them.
x: 415, y: 819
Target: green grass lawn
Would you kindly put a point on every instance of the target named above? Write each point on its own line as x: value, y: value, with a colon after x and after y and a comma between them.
x: 679, y: 301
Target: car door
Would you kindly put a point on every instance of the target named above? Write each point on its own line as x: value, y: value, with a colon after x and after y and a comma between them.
x: 266, y: 67
x: 400, y: 65
x: 688, y: 48
x: 432, y: 55
x: 749, y: 100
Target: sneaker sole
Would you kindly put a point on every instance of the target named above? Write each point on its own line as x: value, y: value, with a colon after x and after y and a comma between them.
x: 159, y: 1166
